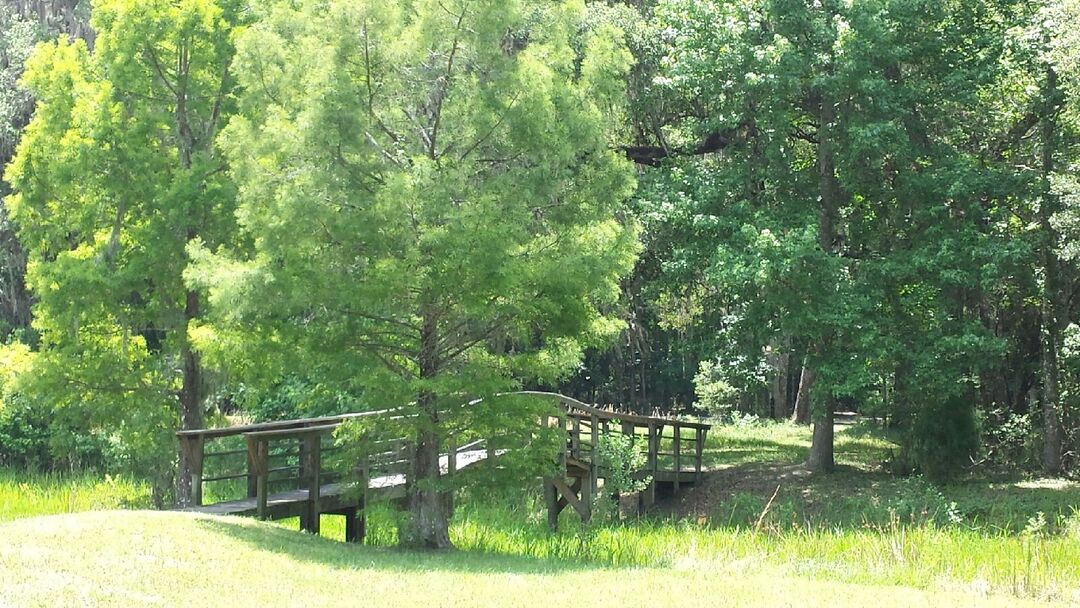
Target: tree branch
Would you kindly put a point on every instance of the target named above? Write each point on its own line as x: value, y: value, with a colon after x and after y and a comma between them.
x: 652, y: 156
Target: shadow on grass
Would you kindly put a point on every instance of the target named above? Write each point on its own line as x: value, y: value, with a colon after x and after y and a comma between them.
x: 308, y: 548
x: 855, y: 498
x: 734, y: 450
x: 749, y: 465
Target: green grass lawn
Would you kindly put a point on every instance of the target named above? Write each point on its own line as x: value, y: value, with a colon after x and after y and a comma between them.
x: 858, y: 535
x: 149, y: 558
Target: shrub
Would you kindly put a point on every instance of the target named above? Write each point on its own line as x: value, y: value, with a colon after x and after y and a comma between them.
x: 293, y: 397
x: 620, y: 455
x: 24, y: 435
x: 715, y: 395
x: 1010, y: 439
x: 944, y: 437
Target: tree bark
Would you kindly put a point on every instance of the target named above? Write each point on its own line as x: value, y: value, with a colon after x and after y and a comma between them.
x: 801, y: 413
x: 1049, y: 308
x: 191, y: 412
x: 428, y: 526
x: 778, y: 386
x: 821, y: 449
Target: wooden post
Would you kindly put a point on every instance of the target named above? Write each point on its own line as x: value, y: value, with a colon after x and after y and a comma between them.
x: 699, y: 449
x: 355, y: 523
x: 678, y: 455
x: 198, y: 445
x: 649, y: 495
x: 302, y: 473
x: 594, y: 466
x: 562, y: 452
x: 575, y: 437
x: 594, y: 434
x: 588, y: 490
x: 312, y: 462
x: 262, y: 455
x: 551, y: 499
x: 252, y: 475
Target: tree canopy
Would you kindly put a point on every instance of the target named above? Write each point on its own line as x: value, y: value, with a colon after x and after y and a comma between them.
x: 715, y: 208
x: 429, y: 206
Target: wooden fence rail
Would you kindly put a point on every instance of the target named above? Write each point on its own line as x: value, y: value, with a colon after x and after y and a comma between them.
x: 284, y: 470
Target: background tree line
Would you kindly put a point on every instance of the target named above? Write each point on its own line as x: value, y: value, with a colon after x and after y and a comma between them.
x: 864, y: 206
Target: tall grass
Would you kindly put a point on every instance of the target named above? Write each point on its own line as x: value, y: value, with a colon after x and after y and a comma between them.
x: 926, y: 556
x: 28, y: 495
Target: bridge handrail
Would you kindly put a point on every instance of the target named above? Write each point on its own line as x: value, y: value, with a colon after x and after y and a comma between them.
x: 240, y: 429
x: 604, y: 414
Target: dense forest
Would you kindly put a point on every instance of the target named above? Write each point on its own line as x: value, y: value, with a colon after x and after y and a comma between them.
x: 725, y: 208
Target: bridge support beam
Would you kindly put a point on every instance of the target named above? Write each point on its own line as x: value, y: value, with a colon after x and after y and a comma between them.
x: 355, y: 524
x: 551, y: 499
x: 558, y: 494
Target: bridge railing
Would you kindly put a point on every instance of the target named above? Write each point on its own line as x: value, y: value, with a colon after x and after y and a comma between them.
x: 672, y: 447
x: 284, y: 454
x: 272, y: 459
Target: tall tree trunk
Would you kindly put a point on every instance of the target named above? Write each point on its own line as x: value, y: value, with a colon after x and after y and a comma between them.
x: 428, y: 526
x: 779, y: 384
x: 821, y: 449
x: 801, y: 413
x: 1049, y: 308
x: 191, y: 412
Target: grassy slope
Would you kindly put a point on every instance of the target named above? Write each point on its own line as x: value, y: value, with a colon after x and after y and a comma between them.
x: 149, y: 558
x: 858, y: 526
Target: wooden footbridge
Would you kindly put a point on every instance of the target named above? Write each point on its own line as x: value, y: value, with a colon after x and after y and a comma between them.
x: 277, y: 470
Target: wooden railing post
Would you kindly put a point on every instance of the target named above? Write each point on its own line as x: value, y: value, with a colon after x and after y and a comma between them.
x: 451, y: 456
x: 651, y: 463
x: 699, y: 449
x: 252, y: 475
x: 301, y: 480
x: 259, y: 453
x: 198, y: 445
x: 356, y: 519
x: 310, y: 465
x: 678, y: 454
x: 560, y: 420
x: 575, y: 437
x: 588, y: 490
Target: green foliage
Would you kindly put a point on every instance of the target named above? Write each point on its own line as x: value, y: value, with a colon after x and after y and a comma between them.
x: 293, y: 397
x: 24, y: 435
x: 113, y: 176
x: 944, y: 437
x: 716, y: 397
x: 1009, y: 439
x: 428, y: 204
x: 621, y: 455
